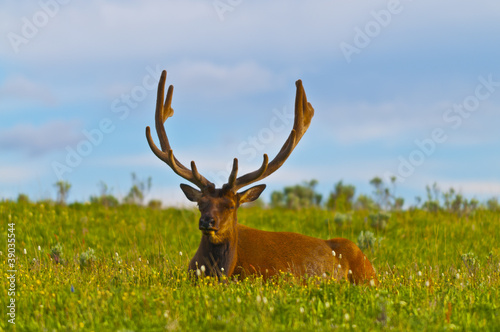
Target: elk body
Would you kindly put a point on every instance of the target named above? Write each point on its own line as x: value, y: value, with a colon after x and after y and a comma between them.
x: 231, y: 249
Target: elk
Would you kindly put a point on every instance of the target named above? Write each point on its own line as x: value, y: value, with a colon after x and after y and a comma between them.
x: 228, y: 248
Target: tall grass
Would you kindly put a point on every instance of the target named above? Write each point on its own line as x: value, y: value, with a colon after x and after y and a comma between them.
x: 437, y: 271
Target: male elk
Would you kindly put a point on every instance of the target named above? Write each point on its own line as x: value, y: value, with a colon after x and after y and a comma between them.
x: 231, y: 249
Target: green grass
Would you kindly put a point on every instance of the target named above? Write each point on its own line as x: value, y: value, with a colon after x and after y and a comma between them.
x: 138, y: 281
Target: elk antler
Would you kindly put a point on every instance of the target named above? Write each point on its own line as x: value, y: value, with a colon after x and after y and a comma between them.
x: 164, y: 111
x: 303, y: 115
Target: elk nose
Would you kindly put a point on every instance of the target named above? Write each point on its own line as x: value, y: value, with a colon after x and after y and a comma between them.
x: 206, y: 223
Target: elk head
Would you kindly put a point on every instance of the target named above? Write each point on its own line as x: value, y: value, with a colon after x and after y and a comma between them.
x: 218, y: 209
x: 218, y: 206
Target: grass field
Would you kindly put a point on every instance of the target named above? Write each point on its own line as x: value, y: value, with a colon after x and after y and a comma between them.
x: 437, y: 271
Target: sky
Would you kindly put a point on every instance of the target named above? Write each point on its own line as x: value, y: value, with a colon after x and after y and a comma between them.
x: 400, y: 88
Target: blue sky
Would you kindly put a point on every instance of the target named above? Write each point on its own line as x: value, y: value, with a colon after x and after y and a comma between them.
x: 404, y: 88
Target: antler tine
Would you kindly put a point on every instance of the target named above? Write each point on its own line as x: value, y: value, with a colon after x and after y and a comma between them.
x: 161, y: 113
x: 234, y: 173
x: 164, y: 111
x: 199, y: 178
x: 248, y: 178
x: 303, y: 111
x: 303, y: 115
x: 236, y: 183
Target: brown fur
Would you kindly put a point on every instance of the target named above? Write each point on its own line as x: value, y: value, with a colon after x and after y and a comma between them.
x: 237, y: 250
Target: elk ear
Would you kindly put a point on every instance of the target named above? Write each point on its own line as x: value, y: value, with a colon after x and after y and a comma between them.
x: 251, y: 194
x: 192, y: 194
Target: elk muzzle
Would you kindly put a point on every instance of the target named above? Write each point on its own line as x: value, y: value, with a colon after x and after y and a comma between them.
x: 207, y: 224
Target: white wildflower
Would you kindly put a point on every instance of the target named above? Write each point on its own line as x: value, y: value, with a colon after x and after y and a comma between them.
x: 301, y: 310
x: 347, y: 317
x: 202, y: 268
x: 333, y: 252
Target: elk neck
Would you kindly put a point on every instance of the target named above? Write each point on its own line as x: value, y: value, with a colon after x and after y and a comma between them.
x: 221, y: 253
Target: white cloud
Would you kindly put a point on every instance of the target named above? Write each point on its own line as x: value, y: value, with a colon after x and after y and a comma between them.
x: 487, y: 188
x: 214, y: 169
x: 276, y: 30
x: 131, y: 28
x: 42, y: 139
x: 142, y: 160
x: 359, y: 123
x: 208, y: 79
x: 480, y: 188
x: 170, y: 196
x: 20, y: 88
x: 355, y: 123
x: 19, y: 174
